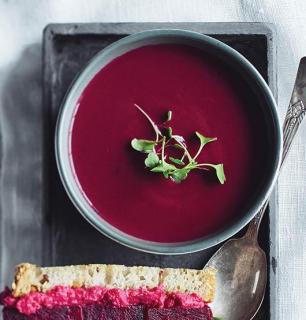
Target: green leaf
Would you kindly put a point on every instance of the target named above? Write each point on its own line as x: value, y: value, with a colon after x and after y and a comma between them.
x: 177, y: 161
x: 164, y: 167
x: 152, y: 160
x: 220, y: 172
x: 179, y: 175
x: 141, y: 145
x: 169, y: 132
x: 166, y: 174
x: 216, y: 318
x: 204, y: 140
x: 169, y: 115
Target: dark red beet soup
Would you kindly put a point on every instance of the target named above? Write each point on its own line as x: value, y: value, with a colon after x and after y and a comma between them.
x: 205, y: 96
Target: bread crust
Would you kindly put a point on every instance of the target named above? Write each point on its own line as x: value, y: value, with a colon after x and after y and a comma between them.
x: 31, y: 278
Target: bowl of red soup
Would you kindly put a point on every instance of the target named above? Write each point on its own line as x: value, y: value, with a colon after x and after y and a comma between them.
x: 168, y: 141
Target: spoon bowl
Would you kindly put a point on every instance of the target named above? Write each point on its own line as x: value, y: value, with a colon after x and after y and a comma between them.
x: 241, y: 263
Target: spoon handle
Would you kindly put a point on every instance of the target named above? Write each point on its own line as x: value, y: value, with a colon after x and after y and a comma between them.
x: 294, y: 117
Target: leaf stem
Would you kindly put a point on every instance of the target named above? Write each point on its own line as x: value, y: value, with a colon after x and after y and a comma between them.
x: 206, y: 165
x: 155, y: 127
x: 185, y: 149
x: 184, y: 155
x: 163, y: 150
x: 199, y: 151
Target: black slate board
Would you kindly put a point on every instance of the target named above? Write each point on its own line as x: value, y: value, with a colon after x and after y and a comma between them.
x: 68, y: 238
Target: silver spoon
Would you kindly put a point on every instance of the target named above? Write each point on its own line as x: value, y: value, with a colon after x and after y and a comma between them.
x: 240, y: 263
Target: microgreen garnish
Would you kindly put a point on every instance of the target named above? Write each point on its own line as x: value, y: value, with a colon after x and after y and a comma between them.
x: 175, y: 168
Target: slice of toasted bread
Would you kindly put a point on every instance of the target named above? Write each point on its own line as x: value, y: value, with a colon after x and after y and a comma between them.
x: 30, y: 278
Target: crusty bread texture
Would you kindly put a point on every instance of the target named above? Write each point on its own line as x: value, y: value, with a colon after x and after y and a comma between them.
x: 29, y: 278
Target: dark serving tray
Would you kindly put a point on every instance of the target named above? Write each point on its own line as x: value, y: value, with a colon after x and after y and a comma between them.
x: 67, y: 237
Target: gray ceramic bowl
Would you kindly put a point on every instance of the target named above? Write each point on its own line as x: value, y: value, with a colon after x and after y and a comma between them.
x: 207, y: 44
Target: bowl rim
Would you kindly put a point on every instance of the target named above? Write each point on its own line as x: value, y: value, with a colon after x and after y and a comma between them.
x: 155, y: 247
